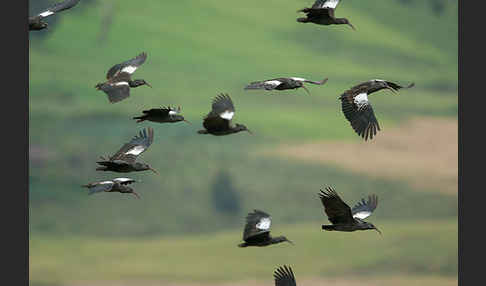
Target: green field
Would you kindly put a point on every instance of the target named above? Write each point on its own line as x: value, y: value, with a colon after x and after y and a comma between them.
x: 413, y: 248
x: 195, y: 51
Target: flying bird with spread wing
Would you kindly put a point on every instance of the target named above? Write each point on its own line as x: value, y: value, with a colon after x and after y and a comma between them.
x: 283, y: 83
x: 124, y: 160
x: 162, y: 115
x: 257, y: 230
x: 322, y: 13
x: 284, y: 276
x: 357, y: 109
x: 119, y: 79
x: 342, y: 217
x: 116, y: 185
x: 36, y: 23
x: 218, y: 121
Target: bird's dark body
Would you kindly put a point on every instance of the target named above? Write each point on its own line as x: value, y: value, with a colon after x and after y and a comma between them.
x: 288, y: 83
x: 160, y: 115
x: 362, y: 119
x: 322, y: 16
x: 342, y: 217
x: 36, y: 23
x: 121, y: 166
x: 118, y: 185
x: 221, y: 132
x: 255, y: 234
x: 118, y: 188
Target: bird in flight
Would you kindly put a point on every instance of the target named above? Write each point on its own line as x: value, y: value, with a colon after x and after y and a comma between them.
x: 283, y: 83
x: 257, y: 230
x: 218, y: 121
x: 284, y: 276
x: 119, y: 79
x: 342, y: 217
x: 124, y: 160
x: 161, y: 115
x: 116, y: 185
x: 36, y: 23
x: 322, y: 13
x: 357, y: 109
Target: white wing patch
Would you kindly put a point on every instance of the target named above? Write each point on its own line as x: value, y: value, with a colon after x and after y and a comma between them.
x: 172, y: 112
x: 135, y: 150
x: 362, y: 214
x: 273, y: 83
x: 361, y: 100
x: 105, y: 182
x: 129, y: 69
x: 122, y: 180
x: 330, y: 4
x: 46, y: 13
x: 298, y: 79
x: 227, y: 115
x: 121, y: 83
x: 264, y: 223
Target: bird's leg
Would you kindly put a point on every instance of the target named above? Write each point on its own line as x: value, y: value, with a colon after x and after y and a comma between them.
x: 306, y: 90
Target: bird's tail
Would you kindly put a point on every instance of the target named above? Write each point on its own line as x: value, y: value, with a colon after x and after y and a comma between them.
x: 256, y: 85
x: 303, y: 20
x: 328, y: 227
x: 242, y: 244
x: 140, y: 118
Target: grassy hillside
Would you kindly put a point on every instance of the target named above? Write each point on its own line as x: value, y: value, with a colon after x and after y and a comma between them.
x: 196, y: 50
x: 410, y: 249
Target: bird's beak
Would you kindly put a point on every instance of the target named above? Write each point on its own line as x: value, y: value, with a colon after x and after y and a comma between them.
x: 153, y: 170
x: 187, y: 121
x: 352, y: 26
x: 148, y: 84
x: 136, y: 195
x: 251, y: 133
x: 323, y: 81
x: 290, y: 242
x: 378, y: 231
x: 392, y: 89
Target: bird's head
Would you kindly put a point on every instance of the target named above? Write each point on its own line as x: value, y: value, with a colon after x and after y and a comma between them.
x: 178, y: 117
x: 142, y: 167
x: 372, y: 226
x: 281, y: 238
x: 383, y: 84
x: 241, y: 127
x: 346, y: 21
x: 139, y: 82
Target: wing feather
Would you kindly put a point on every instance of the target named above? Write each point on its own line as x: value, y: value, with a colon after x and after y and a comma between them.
x: 364, y: 209
x: 337, y: 211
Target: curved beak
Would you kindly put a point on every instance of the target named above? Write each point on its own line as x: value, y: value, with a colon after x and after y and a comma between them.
x: 352, y: 26
x: 290, y: 242
x: 251, y: 133
x: 136, y: 195
x: 187, y: 121
x: 148, y: 84
x: 153, y: 170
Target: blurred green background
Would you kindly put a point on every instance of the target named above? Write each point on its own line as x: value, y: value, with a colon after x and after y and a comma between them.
x: 186, y: 227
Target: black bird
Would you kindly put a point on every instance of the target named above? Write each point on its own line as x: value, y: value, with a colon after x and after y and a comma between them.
x: 124, y: 160
x: 115, y: 185
x: 218, y: 121
x: 257, y: 230
x: 119, y: 80
x: 284, y: 276
x: 283, y: 83
x: 36, y: 23
x: 358, y: 110
x: 322, y: 13
x: 161, y: 115
x: 341, y: 215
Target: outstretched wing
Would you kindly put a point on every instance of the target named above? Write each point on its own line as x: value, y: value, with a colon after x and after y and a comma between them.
x: 359, y: 113
x: 124, y: 181
x: 116, y: 91
x: 58, y: 7
x: 98, y: 187
x: 222, y: 112
x: 267, y: 84
x: 319, y: 4
x: 364, y: 209
x: 257, y: 223
x: 284, y: 276
x: 337, y: 211
x: 128, y: 67
x: 135, y: 147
